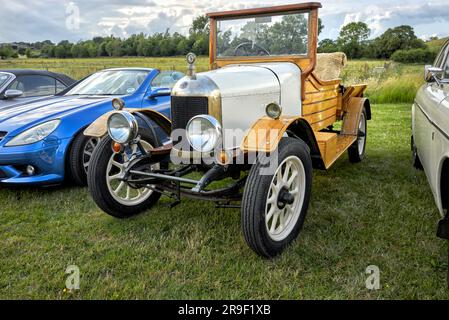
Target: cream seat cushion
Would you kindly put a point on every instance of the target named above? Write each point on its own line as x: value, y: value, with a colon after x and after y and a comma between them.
x: 330, y: 65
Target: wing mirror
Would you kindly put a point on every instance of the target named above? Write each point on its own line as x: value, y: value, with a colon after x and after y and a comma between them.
x: 11, y: 94
x: 433, y: 73
x: 160, y: 92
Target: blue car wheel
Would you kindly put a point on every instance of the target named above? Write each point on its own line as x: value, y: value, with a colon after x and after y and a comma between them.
x: 80, y: 156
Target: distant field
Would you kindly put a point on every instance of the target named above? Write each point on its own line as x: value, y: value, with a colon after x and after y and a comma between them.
x: 396, y: 83
x: 379, y: 212
x: 79, y: 68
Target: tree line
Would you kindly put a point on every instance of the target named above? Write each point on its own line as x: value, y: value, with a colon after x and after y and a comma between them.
x: 399, y: 43
x: 157, y: 45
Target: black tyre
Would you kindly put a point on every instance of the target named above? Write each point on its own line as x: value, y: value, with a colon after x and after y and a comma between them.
x: 79, y: 157
x: 275, y: 203
x: 357, y: 150
x: 415, y: 158
x: 114, y: 196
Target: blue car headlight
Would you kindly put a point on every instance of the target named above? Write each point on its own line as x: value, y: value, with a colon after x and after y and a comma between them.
x: 34, y: 134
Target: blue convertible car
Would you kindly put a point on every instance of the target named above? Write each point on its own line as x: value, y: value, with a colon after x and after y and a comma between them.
x: 42, y: 142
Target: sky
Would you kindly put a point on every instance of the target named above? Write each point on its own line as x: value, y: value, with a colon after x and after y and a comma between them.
x: 56, y: 20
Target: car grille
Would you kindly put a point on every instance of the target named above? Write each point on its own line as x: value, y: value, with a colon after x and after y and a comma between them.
x: 185, y: 108
x: 2, y: 135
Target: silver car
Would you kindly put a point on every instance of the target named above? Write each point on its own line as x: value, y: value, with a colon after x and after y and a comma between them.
x: 430, y: 140
x: 20, y: 86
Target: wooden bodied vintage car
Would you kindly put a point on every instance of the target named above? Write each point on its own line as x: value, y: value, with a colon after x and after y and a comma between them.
x: 260, y: 119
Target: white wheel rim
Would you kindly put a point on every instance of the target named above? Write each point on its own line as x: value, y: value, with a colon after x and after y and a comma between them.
x: 87, y: 152
x: 362, y: 130
x: 280, y: 220
x: 121, y: 191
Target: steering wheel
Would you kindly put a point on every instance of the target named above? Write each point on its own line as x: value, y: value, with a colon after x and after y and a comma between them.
x: 250, y: 49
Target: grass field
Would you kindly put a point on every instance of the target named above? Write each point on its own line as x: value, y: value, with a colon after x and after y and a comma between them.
x: 380, y: 212
x: 396, y: 83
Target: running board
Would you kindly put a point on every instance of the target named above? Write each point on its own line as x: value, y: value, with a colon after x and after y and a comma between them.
x: 333, y: 145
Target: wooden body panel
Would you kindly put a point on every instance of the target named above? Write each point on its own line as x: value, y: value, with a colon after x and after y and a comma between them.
x: 322, y: 102
x: 265, y: 134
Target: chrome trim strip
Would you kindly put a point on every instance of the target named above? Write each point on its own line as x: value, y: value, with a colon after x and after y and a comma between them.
x: 432, y: 122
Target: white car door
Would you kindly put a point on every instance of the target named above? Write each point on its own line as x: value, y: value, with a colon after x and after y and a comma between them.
x: 431, y: 123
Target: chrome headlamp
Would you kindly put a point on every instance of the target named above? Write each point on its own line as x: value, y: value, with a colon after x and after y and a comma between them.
x: 203, y: 133
x: 273, y: 110
x: 122, y: 127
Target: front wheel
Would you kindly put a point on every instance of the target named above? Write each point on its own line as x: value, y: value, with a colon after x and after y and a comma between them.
x: 110, y: 192
x: 276, y: 199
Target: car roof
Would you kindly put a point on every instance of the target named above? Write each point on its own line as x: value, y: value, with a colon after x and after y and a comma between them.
x: 61, y: 77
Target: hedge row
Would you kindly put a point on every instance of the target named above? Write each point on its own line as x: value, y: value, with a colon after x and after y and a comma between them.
x: 415, y: 56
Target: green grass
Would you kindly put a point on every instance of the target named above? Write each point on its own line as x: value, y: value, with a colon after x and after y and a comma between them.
x: 395, y: 90
x: 388, y: 82
x: 437, y: 44
x: 379, y: 212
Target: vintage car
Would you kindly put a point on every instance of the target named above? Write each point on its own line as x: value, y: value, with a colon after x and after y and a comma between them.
x: 430, y: 139
x: 258, y: 122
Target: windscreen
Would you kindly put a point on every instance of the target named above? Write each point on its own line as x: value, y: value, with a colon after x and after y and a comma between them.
x: 110, y: 82
x: 268, y: 35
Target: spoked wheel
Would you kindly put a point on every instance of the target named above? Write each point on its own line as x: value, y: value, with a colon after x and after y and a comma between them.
x: 121, y: 191
x: 285, y: 198
x: 108, y: 188
x: 89, y: 148
x: 275, y: 204
x: 357, y: 150
x: 80, y: 155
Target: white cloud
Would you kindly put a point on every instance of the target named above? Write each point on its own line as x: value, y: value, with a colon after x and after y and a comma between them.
x: 379, y: 18
x: 373, y: 16
x: 30, y: 20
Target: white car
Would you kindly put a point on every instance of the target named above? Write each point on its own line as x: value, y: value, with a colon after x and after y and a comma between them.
x: 430, y: 140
